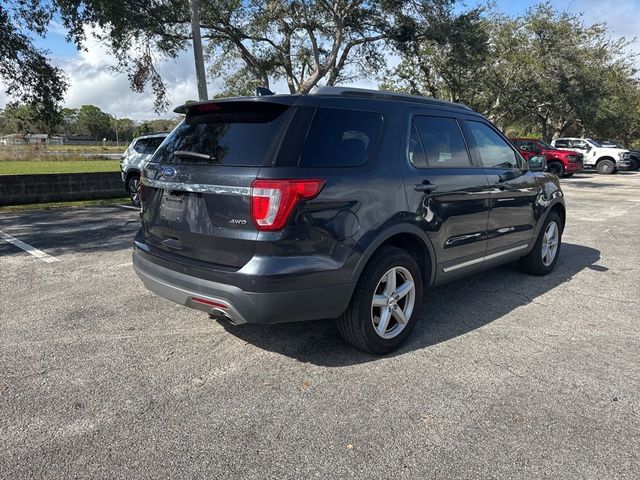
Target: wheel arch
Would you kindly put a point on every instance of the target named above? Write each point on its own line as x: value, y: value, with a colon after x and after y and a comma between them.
x: 560, y: 209
x: 130, y: 173
x: 409, y: 238
x: 606, y: 157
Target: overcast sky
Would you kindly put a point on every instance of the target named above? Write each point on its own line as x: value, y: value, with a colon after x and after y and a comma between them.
x: 92, y: 80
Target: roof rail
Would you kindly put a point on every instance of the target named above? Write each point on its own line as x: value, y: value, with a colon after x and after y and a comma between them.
x: 154, y: 133
x: 384, y: 95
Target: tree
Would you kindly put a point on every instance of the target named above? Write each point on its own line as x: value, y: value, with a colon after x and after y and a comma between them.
x: 303, y: 42
x: 22, y: 118
x: 95, y: 123
x: 443, y: 53
x: 28, y: 74
x: 544, y: 73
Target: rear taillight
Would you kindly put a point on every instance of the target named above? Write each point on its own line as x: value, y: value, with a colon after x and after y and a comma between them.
x: 273, y: 200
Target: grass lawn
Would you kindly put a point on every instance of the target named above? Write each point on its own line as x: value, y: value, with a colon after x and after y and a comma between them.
x: 26, y: 167
x: 87, y: 148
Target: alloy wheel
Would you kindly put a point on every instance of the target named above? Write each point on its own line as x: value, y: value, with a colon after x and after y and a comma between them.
x: 550, y: 243
x: 393, y: 302
x: 134, y: 190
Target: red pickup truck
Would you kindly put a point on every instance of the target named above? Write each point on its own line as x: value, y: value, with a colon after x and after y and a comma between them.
x: 563, y: 163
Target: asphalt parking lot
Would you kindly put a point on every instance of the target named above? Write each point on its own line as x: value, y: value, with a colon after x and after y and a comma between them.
x: 507, y: 375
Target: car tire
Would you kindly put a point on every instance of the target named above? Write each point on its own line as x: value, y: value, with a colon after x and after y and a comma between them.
x: 606, y: 167
x: 557, y: 168
x: 382, y: 313
x: 133, y: 185
x: 543, y: 257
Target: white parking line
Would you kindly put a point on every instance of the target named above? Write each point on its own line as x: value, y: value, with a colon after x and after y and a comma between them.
x: 45, y: 257
x: 130, y: 207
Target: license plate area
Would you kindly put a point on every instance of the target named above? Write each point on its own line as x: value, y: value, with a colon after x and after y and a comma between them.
x: 173, y: 206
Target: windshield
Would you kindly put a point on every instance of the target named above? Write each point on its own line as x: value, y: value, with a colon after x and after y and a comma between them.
x: 545, y: 145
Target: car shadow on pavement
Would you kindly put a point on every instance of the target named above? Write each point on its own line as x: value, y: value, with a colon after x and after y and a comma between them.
x: 86, y: 230
x: 449, y: 311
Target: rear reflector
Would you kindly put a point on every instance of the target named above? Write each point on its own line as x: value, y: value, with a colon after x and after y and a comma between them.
x: 272, y: 201
x: 211, y: 303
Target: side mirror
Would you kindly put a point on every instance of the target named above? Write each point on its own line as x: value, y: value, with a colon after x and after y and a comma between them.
x: 537, y: 163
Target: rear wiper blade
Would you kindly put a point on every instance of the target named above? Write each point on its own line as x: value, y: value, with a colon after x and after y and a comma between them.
x: 190, y: 154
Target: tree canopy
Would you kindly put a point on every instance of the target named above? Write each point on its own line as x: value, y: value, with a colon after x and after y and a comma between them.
x: 545, y: 72
x: 88, y: 122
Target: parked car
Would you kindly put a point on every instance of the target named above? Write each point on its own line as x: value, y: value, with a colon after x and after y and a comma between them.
x: 604, y: 159
x: 563, y: 163
x: 345, y: 203
x: 133, y: 159
x: 633, y: 156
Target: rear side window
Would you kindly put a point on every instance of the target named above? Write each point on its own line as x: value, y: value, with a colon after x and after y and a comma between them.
x: 147, y: 145
x: 236, y: 134
x: 494, y: 151
x: 340, y: 138
x: 442, y: 143
x: 561, y: 143
x: 527, y: 146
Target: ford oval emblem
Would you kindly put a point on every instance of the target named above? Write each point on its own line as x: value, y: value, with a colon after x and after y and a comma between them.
x: 168, y: 172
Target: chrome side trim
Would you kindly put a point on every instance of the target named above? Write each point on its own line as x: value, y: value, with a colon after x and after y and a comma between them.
x: 196, y: 187
x: 482, y: 259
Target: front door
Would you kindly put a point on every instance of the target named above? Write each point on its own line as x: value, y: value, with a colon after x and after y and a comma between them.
x: 448, y: 194
x: 514, y: 190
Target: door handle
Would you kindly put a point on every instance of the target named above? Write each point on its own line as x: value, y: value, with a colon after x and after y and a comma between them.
x: 425, y: 187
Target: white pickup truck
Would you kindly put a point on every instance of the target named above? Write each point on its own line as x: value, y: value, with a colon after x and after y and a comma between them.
x: 605, y: 159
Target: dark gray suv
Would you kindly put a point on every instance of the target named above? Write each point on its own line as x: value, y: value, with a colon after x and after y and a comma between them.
x: 345, y: 203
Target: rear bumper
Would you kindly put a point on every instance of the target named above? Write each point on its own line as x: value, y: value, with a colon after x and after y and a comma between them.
x: 238, y: 305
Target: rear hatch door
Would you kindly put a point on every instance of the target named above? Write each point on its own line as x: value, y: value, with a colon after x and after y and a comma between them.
x: 196, y: 190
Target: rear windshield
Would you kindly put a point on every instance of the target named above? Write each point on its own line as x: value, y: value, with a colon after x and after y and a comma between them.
x: 237, y: 134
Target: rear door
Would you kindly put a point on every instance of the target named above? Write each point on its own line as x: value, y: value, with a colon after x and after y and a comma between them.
x: 197, y: 185
x: 514, y: 189
x: 584, y: 148
x: 449, y: 195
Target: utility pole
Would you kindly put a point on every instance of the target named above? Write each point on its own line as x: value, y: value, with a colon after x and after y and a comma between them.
x: 197, y: 49
x: 117, y: 142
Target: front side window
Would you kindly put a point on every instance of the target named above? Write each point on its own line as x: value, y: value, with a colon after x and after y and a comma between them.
x: 442, y: 142
x: 340, y: 138
x: 493, y: 150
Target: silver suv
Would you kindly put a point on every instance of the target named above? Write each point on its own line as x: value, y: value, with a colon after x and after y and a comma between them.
x: 134, y: 158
